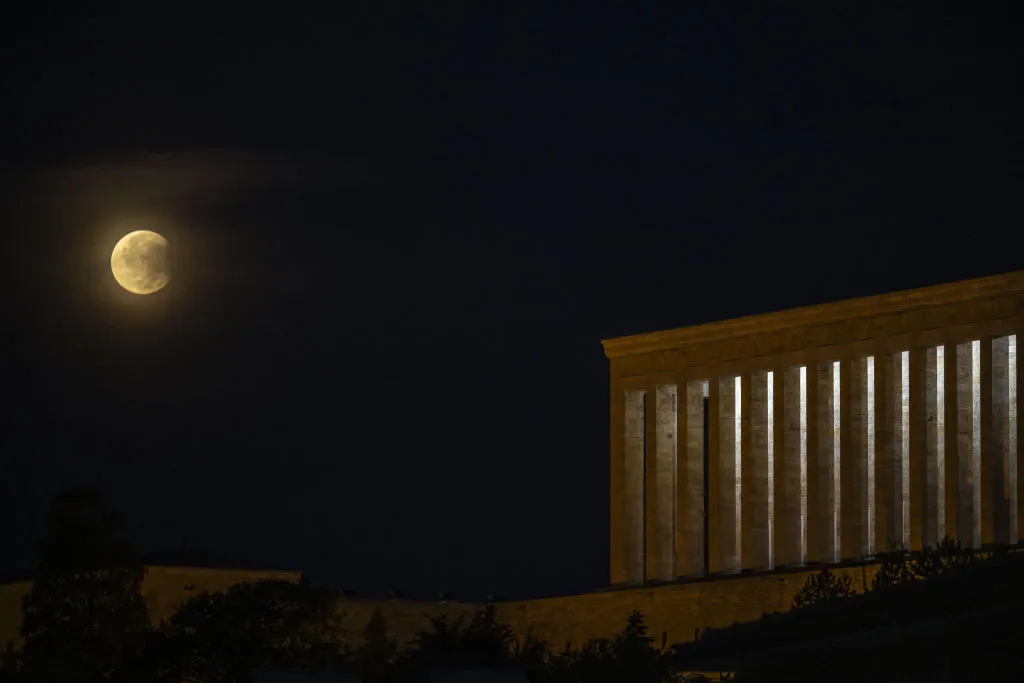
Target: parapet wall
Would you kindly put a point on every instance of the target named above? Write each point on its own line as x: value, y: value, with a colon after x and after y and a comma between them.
x: 674, y: 612
x: 164, y: 589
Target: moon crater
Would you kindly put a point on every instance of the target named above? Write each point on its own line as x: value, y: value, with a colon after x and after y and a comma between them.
x: 139, y: 262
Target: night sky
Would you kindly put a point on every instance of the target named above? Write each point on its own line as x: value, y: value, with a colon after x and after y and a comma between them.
x: 399, y: 239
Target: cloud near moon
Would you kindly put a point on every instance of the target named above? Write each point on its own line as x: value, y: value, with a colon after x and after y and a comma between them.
x: 139, y: 262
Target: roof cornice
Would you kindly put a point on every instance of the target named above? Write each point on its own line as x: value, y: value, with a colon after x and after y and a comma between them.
x: 881, y: 304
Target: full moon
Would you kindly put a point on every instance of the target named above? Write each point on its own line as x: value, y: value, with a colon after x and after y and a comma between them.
x: 139, y: 262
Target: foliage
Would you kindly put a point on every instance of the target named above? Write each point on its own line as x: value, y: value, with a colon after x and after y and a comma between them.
x: 940, y: 559
x: 629, y: 657
x: 486, y: 639
x: 822, y: 587
x: 899, y: 568
x: 10, y: 662
x: 894, y: 570
x: 217, y: 637
x: 531, y: 652
x: 975, y: 603
x: 635, y: 653
x: 84, y: 619
x: 377, y: 655
x: 485, y: 642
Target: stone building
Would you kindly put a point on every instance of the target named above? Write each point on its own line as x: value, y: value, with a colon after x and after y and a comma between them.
x: 818, y: 434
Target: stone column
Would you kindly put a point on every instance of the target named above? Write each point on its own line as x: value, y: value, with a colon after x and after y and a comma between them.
x: 661, y: 483
x: 1003, y: 500
x: 888, y: 491
x: 854, y: 459
x: 951, y: 474
x: 690, y: 486
x: 1016, y: 433
x: 634, y: 438
x: 814, y: 521
x: 790, y: 435
x: 722, y: 483
x: 968, y: 371
x: 918, y: 447
x: 821, y: 518
x: 756, y: 513
x: 934, y: 446
x: 988, y: 479
x: 714, y: 478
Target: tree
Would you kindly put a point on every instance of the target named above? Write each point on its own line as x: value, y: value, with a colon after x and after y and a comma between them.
x: 84, y: 619
x: 376, y: 657
x: 635, y: 654
x: 894, y: 570
x: 487, y: 641
x: 217, y: 637
x: 941, y: 558
x: 531, y: 652
x: 823, y: 587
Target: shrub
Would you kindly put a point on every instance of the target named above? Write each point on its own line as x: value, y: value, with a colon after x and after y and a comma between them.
x: 823, y: 587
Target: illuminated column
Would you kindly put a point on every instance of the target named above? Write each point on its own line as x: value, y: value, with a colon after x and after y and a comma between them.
x: 723, y: 485
x: 968, y: 401
x: 987, y: 473
x: 690, y: 486
x: 757, y: 485
x: 789, y: 465
x: 1012, y: 440
x: 887, y: 502
x: 660, y: 486
x: 814, y: 518
x: 821, y: 467
x: 918, y: 447
x: 934, y: 399
x: 854, y: 428
x: 951, y: 459
x: 892, y: 479
x: 634, y: 438
x: 1002, y: 463
x: 1015, y: 432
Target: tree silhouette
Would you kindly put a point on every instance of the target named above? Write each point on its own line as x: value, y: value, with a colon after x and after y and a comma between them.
x: 947, y: 555
x: 376, y: 657
x: 84, y: 619
x: 218, y: 637
x: 893, y: 570
x: 486, y: 641
x: 635, y: 654
x: 823, y: 587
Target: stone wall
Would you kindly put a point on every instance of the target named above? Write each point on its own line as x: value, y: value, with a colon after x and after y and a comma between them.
x: 163, y: 589
x: 11, y: 595
x: 675, y: 611
x: 672, y: 611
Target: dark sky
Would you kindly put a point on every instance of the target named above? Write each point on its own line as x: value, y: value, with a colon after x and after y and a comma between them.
x: 400, y: 237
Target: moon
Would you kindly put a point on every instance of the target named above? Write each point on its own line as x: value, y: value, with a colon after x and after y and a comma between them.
x: 139, y: 262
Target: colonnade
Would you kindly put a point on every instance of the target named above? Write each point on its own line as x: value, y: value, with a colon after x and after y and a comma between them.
x: 818, y: 435
x: 824, y: 462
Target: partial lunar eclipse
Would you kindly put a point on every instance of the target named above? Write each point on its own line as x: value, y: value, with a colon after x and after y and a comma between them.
x: 139, y: 262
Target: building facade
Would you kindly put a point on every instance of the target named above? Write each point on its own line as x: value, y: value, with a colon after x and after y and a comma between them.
x: 817, y: 435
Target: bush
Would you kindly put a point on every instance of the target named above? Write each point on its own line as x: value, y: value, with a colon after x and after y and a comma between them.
x: 894, y: 570
x: 823, y: 587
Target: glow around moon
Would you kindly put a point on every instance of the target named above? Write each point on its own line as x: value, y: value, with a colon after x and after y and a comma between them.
x: 139, y: 262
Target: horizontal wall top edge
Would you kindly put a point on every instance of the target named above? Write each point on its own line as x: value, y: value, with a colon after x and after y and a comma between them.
x: 838, y: 311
